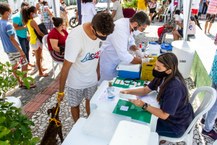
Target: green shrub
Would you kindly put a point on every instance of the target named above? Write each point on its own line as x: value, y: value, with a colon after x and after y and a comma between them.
x: 14, y: 126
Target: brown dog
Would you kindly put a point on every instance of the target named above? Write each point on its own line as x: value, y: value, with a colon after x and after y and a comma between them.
x: 54, y: 127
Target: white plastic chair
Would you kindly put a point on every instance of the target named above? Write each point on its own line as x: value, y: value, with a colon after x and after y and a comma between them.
x: 208, y: 96
x: 44, y: 41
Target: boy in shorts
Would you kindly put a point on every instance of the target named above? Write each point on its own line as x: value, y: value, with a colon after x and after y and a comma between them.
x: 10, y: 43
x: 80, y: 66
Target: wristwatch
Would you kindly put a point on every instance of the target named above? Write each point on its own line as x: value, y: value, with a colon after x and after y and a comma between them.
x: 145, y: 106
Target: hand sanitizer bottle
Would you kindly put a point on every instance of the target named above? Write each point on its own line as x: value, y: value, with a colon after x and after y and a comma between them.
x: 110, y: 91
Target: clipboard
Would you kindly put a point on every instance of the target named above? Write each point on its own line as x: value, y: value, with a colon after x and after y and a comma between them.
x: 127, y: 108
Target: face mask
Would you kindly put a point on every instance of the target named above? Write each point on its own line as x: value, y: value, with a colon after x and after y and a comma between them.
x: 158, y: 74
x: 35, y: 15
x: 134, y: 28
x: 9, y: 15
x: 100, y: 37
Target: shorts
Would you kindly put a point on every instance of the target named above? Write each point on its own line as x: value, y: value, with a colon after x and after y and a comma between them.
x: 36, y: 45
x: 75, y: 96
x: 194, y: 11
x: 15, y: 58
x: 210, y: 18
x: 152, y: 10
x: 48, y: 25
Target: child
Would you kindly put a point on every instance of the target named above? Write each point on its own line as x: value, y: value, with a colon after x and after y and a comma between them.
x: 10, y: 43
x: 28, y: 13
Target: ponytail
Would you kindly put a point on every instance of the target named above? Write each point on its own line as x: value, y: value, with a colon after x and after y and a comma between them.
x: 26, y: 11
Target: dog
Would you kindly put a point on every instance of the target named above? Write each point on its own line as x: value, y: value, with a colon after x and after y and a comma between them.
x: 54, y: 128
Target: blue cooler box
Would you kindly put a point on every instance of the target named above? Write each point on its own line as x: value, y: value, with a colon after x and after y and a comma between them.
x: 166, y: 47
x: 129, y: 71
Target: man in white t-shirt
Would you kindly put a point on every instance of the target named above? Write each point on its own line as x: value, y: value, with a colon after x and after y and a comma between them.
x: 114, y: 49
x: 81, y: 61
x: 117, y: 11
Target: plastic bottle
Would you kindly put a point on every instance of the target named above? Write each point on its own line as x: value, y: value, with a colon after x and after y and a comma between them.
x: 143, y: 47
x: 110, y: 91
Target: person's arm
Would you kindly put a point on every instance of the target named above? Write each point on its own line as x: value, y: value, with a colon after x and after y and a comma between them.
x: 38, y: 8
x: 49, y: 12
x: 138, y: 92
x: 16, y: 44
x: 63, y: 77
x: 17, y: 27
x: 113, y: 13
x: 153, y: 110
x: 133, y: 48
x: 120, y: 43
x: 94, y: 10
x: 98, y: 71
x: 136, y: 60
x: 180, y: 24
x: 35, y: 26
x: 114, y: 10
x: 54, y: 45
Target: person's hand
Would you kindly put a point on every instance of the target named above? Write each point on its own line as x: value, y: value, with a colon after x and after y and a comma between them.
x: 60, y: 96
x: 124, y: 91
x: 28, y: 38
x: 137, y: 102
x: 22, y: 54
x: 146, y: 60
x: 139, y: 53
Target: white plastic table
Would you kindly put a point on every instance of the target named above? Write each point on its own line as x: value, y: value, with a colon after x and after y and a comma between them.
x: 77, y: 137
x: 100, y: 102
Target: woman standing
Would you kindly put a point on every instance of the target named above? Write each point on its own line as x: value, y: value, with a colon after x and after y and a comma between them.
x: 56, y: 39
x: 28, y: 13
x: 175, y: 112
x: 87, y: 11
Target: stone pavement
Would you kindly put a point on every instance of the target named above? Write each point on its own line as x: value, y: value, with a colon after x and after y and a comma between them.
x: 36, y: 101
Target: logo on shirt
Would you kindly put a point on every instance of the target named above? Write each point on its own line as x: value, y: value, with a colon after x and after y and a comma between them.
x: 91, y: 56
